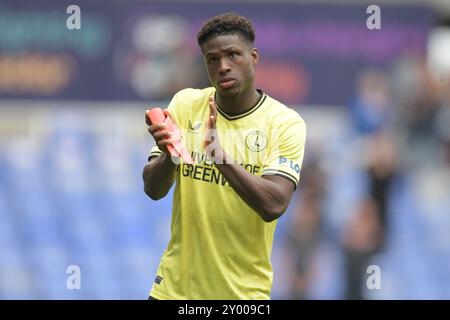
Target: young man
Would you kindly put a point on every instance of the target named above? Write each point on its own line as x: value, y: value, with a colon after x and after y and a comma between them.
x: 245, y: 169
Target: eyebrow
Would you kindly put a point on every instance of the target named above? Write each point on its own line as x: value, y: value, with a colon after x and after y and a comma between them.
x: 228, y: 49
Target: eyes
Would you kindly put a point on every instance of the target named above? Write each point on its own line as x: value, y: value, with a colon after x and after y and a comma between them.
x: 213, y: 60
x: 232, y: 55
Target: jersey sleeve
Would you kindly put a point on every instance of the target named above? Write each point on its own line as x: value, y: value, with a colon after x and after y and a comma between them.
x: 287, y: 149
x: 175, y: 116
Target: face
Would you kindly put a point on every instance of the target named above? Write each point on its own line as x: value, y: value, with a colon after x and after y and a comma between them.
x: 230, y: 62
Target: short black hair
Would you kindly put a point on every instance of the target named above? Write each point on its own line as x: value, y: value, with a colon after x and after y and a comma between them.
x: 225, y: 24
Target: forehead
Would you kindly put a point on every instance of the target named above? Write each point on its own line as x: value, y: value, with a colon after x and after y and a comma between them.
x: 224, y: 42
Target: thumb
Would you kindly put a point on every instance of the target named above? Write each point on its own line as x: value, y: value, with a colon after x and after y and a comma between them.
x: 212, y: 107
x: 211, y: 122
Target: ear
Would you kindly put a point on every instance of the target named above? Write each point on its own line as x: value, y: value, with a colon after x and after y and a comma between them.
x: 255, y: 56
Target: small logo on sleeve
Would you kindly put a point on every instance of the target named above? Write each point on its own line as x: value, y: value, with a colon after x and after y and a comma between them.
x: 285, y: 162
x: 158, y: 279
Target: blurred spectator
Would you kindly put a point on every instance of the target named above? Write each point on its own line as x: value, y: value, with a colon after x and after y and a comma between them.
x: 370, y: 106
x: 361, y: 240
x: 382, y: 169
x: 365, y: 232
x: 419, y: 106
x: 442, y: 121
x: 304, y: 232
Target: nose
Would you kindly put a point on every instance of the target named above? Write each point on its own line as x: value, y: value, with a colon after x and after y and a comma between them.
x: 224, y: 67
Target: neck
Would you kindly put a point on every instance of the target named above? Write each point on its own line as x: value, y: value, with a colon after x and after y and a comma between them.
x: 239, y: 103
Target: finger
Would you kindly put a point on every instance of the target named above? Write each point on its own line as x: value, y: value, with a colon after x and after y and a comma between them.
x: 212, y: 107
x: 209, y: 123
x: 163, y: 143
x: 161, y: 134
x: 156, y: 127
x: 212, y: 122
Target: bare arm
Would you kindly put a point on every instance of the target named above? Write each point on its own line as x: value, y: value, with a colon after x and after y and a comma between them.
x: 269, y: 196
x: 159, y: 175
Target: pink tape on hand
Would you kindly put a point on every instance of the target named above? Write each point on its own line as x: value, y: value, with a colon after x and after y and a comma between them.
x: 156, y: 116
x: 176, y: 148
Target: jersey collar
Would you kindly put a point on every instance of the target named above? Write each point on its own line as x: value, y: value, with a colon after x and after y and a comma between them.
x: 259, y: 103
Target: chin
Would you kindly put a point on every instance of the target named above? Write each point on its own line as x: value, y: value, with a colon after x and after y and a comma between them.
x: 229, y: 93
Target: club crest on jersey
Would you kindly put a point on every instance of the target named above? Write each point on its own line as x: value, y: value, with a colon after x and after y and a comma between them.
x: 194, y: 127
x: 256, y: 141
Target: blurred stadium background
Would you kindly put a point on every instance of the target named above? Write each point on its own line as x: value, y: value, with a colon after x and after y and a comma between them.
x: 375, y: 188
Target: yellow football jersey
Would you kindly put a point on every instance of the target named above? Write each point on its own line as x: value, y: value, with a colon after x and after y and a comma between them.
x: 220, y: 248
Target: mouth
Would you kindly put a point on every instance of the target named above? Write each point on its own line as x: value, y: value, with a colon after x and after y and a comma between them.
x: 226, y: 83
